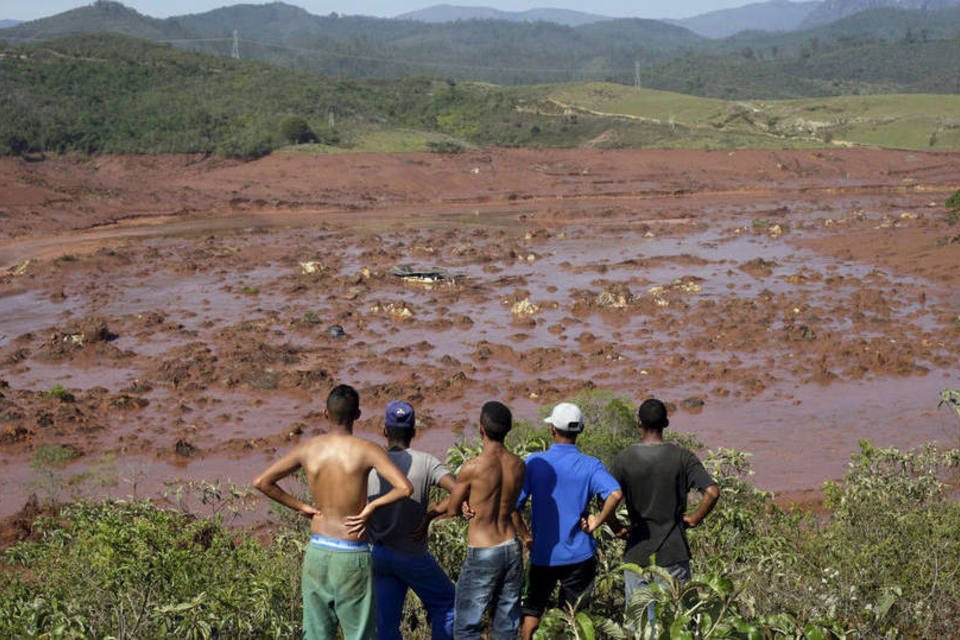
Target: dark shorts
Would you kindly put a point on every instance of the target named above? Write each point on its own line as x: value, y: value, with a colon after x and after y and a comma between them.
x: 575, y: 580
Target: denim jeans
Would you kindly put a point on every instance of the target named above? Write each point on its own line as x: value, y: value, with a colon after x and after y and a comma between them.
x: 633, y: 581
x: 393, y: 574
x: 490, y: 576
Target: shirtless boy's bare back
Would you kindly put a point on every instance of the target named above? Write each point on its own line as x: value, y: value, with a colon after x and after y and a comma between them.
x: 337, y: 465
x: 490, y: 483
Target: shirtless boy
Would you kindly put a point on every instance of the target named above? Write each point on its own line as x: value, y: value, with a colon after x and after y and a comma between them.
x: 337, y: 577
x: 493, y: 569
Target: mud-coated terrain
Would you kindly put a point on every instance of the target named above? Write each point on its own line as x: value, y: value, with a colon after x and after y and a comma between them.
x: 195, y: 311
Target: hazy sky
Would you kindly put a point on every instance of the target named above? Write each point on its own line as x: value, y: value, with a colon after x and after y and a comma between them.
x: 33, y: 9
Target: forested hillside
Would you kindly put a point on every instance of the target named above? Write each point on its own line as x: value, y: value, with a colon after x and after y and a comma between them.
x: 115, y: 94
x: 884, y: 50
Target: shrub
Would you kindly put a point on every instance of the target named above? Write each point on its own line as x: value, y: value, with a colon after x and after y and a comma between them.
x: 953, y: 202
x: 132, y: 569
x: 61, y: 393
x: 295, y: 130
x: 444, y: 146
x: 879, y: 562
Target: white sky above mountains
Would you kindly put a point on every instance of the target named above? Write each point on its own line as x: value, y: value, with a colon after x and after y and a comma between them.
x: 33, y: 9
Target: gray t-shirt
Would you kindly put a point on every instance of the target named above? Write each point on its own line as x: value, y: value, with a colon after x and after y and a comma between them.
x: 392, y: 525
x: 655, y: 480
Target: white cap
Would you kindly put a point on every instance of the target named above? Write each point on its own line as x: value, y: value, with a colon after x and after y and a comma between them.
x: 566, y: 417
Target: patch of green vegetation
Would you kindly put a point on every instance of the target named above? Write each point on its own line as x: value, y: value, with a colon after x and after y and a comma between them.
x: 52, y: 455
x: 953, y: 202
x: 130, y: 96
x: 61, y: 393
x: 251, y: 290
x: 859, y: 569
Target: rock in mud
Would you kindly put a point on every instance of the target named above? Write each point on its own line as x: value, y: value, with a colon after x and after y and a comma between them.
x: 184, y: 449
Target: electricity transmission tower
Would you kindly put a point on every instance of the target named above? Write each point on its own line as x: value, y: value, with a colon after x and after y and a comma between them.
x: 235, y: 54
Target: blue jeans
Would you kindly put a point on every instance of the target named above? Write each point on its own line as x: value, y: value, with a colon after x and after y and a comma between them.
x: 490, y: 575
x: 633, y: 581
x: 393, y: 574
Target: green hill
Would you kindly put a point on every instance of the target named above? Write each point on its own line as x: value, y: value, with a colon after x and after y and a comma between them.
x: 115, y: 94
x: 878, y: 51
x: 100, y: 17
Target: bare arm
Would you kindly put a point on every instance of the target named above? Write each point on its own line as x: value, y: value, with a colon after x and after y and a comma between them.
x: 523, y: 531
x: 706, y: 505
x: 461, y: 491
x: 401, y: 488
x: 438, y: 510
x: 266, y: 482
x: 609, y: 508
x: 447, y: 483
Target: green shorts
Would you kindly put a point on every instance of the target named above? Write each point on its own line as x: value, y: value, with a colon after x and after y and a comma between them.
x: 337, y: 585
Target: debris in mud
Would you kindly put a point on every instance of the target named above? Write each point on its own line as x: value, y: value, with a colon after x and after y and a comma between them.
x: 693, y: 403
x: 13, y: 434
x: 336, y: 331
x: 184, y: 449
x: 524, y: 309
x: 687, y: 285
x: 409, y: 273
x: 127, y: 402
x: 799, y: 332
x: 311, y: 267
x: 758, y: 267
x: 396, y: 310
x: 617, y: 296
x: 190, y: 367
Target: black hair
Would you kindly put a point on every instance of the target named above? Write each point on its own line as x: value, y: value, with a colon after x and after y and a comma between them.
x: 652, y: 414
x: 399, y: 434
x: 343, y: 403
x: 569, y: 435
x: 496, y: 420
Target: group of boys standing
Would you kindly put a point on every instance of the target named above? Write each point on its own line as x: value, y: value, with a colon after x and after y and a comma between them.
x: 370, y: 516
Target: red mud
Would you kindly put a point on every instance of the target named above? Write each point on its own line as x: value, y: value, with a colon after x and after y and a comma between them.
x: 809, y: 299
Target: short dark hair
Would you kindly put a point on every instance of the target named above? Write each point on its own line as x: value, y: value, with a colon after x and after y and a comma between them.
x: 496, y: 420
x: 652, y: 414
x: 343, y: 404
x: 400, y: 434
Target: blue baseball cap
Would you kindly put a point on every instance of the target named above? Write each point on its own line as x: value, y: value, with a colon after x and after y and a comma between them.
x: 400, y: 415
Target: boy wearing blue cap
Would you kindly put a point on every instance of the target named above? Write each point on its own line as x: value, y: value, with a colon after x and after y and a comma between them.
x: 398, y: 532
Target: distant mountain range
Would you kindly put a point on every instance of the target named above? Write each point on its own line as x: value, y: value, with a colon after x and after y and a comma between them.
x: 774, y: 16
x: 451, y: 13
x: 8, y: 23
x: 832, y: 10
x: 878, y: 51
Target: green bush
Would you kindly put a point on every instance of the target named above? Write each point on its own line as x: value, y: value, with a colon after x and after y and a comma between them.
x: 880, y: 562
x: 295, y: 130
x: 132, y: 569
x: 953, y: 202
x: 61, y: 393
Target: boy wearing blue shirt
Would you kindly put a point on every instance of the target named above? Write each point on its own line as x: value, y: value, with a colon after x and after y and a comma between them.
x: 560, y: 482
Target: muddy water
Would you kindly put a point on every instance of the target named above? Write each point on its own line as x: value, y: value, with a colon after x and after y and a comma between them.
x: 217, y: 349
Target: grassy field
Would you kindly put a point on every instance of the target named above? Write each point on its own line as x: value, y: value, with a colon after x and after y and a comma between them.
x: 906, y: 121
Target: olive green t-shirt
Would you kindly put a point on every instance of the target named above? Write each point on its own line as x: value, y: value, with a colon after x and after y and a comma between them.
x: 655, y: 480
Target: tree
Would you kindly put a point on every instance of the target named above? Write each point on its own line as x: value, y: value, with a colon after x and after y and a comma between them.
x: 295, y: 130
